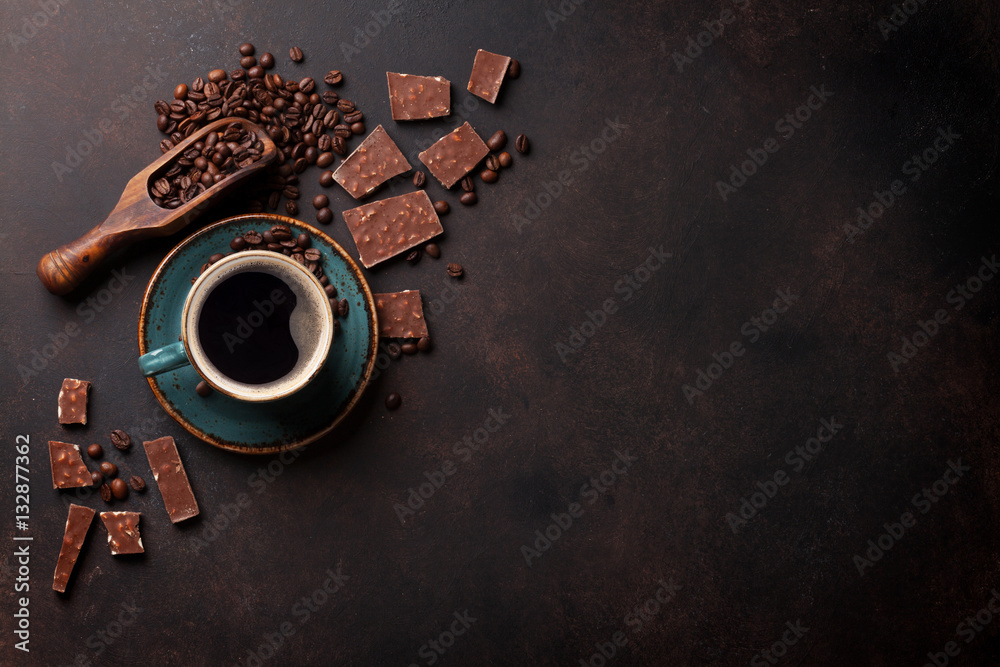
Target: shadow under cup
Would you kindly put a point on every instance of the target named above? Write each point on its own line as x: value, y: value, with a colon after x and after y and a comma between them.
x: 257, y: 326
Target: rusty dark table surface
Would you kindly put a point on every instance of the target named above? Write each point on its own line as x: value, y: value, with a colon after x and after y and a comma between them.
x: 606, y: 507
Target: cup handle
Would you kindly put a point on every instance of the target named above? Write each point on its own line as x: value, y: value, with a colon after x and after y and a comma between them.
x: 165, y: 359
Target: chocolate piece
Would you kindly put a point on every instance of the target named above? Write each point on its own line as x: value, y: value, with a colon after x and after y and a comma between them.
x: 454, y: 155
x: 400, y: 315
x: 123, y: 532
x: 168, y: 471
x: 77, y: 525
x: 73, y: 401
x: 488, y: 71
x: 371, y: 164
x: 385, y: 228
x: 414, y: 97
x: 68, y: 468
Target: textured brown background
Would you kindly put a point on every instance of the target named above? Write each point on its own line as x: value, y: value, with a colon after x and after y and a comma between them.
x: 496, y: 345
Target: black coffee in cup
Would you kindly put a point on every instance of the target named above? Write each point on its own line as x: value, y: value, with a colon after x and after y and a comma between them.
x: 245, y: 328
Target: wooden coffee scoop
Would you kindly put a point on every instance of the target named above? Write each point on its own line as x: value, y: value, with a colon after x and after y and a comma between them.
x: 137, y: 217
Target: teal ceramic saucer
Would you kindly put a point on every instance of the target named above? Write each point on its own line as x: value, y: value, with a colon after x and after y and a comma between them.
x: 260, y: 428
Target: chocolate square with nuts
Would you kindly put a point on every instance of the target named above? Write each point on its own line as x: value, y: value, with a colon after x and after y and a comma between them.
x: 454, y: 155
x: 68, y: 468
x: 77, y: 525
x: 168, y: 471
x: 123, y: 532
x: 385, y: 228
x: 371, y: 164
x: 414, y: 97
x: 488, y: 72
x: 73, y: 401
x: 400, y: 315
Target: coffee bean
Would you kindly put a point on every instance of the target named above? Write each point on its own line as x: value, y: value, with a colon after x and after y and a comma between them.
x: 324, y: 216
x: 281, y: 232
x: 393, y: 401
x: 343, y: 307
x: 109, y: 469
x: 468, y: 184
x: 357, y: 128
x: 119, y: 438
x: 326, y: 179
x: 303, y: 240
x: 353, y: 117
x: 333, y: 77
x: 455, y: 270
x: 330, y: 97
x: 338, y: 145
x: 203, y: 389
x: 137, y: 483
x: 441, y: 207
x: 522, y: 145
x: 419, y: 179
x: 331, y: 292
x: 505, y: 159
x: 307, y: 85
x: 313, y: 254
x: 217, y: 75
x: 248, y: 62
x: 119, y: 489
x: 408, y: 348
x: 238, y: 243
x: 97, y: 477
x: 266, y: 61
x: 342, y: 131
x: 105, y: 493
x: 181, y: 91
x: 488, y: 176
x: 247, y: 49
x: 253, y: 237
x: 295, y: 53
x: 469, y: 198
x: 492, y: 163
x: 95, y: 451
x: 424, y: 344
x: 497, y: 141
x: 256, y: 72
x: 321, y: 201
x: 514, y: 69
x: 345, y: 105
x: 413, y: 256
x: 291, y: 207
x: 325, y: 159
x: 433, y: 250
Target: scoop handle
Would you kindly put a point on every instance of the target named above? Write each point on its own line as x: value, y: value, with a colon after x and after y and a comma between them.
x: 63, y: 269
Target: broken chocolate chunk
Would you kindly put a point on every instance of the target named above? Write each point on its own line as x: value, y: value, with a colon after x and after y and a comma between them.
x: 73, y: 401
x: 400, y: 315
x: 488, y: 71
x: 123, y: 532
x: 371, y: 164
x: 77, y: 525
x: 414, y: 97
x: 454, y: 155
x: 385, y: 228
x: 168, y: 471
x: 68, y: 469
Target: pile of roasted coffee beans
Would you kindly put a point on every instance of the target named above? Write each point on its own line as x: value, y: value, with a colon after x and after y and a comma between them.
x: 106, y: 477
x: 205, y: 163
x: 294, y: 113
